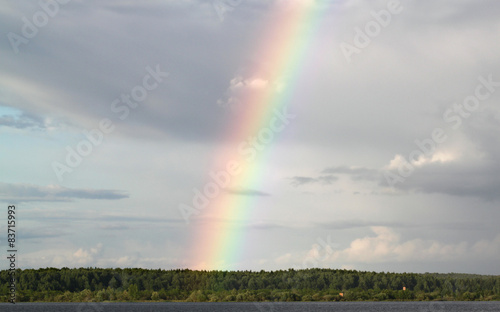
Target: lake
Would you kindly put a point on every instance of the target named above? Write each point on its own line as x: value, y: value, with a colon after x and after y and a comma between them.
x: 435, y: 306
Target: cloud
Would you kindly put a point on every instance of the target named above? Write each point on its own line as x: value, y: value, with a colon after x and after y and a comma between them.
x: 114, y: 227
x: 242, y: 88
x: 470, y: 167
x: 251, y: 79
x: 29, y: 192
x: 296, y: 181
x: 108, y: 220
x: 283, y: 260
x: 356, y: 173
x: 467, y: 166
x: 387, y: 246
x: 82, y: 92
x: 353, y: 224
x: 247, y: 192
x: 267, y: 226
x: 487, y: 248
x: 90, y: 257
x: 457, y: 179
x: 25, y: 121
x: 301, y: 180
x: 85, y: 257
x: 70, y: 257
x: 76, y: 66
x: 42, y: 232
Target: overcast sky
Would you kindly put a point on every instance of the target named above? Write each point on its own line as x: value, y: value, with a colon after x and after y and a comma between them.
x: 391, y: 163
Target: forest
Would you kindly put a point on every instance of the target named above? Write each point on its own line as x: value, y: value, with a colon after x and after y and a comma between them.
x: 133, y: 284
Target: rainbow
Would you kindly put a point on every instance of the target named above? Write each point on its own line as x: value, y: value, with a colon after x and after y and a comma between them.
x: 286, y: 39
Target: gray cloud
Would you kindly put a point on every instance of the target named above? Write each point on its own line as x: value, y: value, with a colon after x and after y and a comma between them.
x: 301, y: 180
x: 106, y: 221
x: 267, y: 226
x: 456, y: 180
x: 356, y: 173
x: 30, y: 192
x: 40, y: 233
x: 24, y: 121
x: 353, y: 224
x: 475, y: 170
x: 87, y: 85
x: 247, y: 192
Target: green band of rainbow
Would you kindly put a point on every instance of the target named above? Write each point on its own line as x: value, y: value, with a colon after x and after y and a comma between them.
x: 218, y: 245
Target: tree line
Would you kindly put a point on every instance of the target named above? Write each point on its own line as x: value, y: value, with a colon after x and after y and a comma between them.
x: 134, y: 284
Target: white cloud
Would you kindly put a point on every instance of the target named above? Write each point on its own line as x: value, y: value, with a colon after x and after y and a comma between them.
x: 400, y: 161
x: 284, y: 259
x: 487, y: 248
x: 85, y: 257
x: 69, y: 257
x: 387, y: 246
x: 244, y: 88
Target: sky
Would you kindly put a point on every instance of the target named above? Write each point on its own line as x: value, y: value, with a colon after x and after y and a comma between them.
x: 252, y: 134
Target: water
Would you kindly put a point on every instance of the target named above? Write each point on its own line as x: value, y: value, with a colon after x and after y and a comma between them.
x: 257, y: 307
